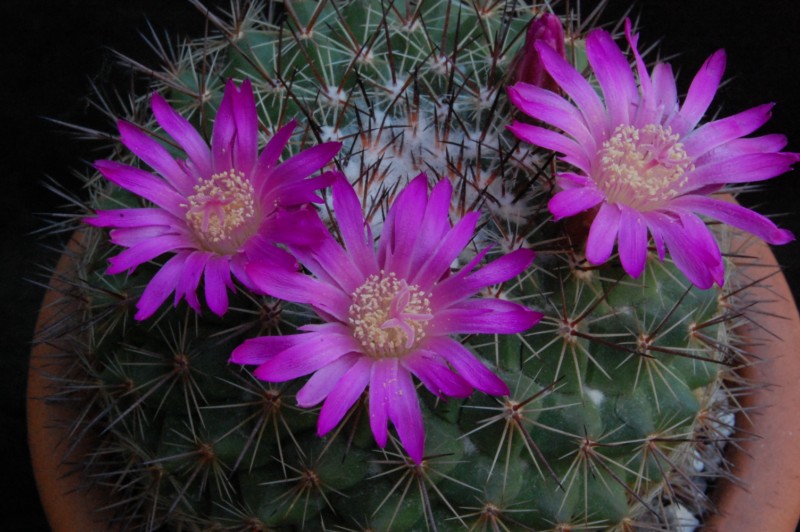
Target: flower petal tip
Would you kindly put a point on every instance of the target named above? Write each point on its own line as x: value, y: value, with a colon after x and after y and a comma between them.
x: 92, y: 220
x: 533, y: 317
x: 782, y: 236
x: 497, y: 388
x: 417, y: 455
x: 142, y: 313
x: 103, y: 165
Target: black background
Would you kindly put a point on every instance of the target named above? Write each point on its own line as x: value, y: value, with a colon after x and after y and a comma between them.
x: 54, y: 50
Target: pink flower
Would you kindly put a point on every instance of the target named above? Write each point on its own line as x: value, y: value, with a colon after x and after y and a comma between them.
x: 642, y: 161
x: 215, y: 210
x: 388, y: 314
x: 546, y: 28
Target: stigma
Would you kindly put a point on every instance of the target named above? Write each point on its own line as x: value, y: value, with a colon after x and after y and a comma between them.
x: 222, y: 211
x: 388, y: 316
x: 643, y: 167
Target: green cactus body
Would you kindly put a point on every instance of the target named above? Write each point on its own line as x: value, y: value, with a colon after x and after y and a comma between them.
x: 614, y: 395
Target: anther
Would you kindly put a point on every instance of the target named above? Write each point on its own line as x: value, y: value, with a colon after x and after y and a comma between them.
x: 222, y: 211
x: 388, y: 316
x: 643, y: 167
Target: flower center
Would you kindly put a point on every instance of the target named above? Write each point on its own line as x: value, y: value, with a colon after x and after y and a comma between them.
x: 222, y: 211
x: 388, y: 316
x: 643, y: 167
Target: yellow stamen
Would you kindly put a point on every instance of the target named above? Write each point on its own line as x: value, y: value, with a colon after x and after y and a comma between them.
x: 220, y: 208
x: 388, y: 316
x: 643, y: 167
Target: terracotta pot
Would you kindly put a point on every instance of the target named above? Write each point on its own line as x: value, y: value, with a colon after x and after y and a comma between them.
x: 69, y: 506
x: 766, y: 496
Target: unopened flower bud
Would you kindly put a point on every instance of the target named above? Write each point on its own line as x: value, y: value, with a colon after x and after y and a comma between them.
x: 528, y: 65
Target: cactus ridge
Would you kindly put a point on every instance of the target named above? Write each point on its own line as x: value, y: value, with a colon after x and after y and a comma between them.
x: 621, y: 398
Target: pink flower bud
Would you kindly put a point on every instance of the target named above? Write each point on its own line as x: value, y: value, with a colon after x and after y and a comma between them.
x: 528, y: 65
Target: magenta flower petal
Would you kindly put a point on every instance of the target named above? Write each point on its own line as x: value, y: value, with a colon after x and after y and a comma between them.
x: 436, y: 222
x: 458, y: 287
x: 737, y: 216
x: 184, y: 134
x: 569, y: 180
x: 405, y: 414
x: 156, y: 156
x: 744, y: 168
x: 190, y: 277
x: 614, y: 75
x: 341, y: 398
x: 161, y: 286
x: 484, y: 316
x: 224, y: 133
x: 576, y: 87
x: 131, y: 236
x: 299, y: 288
x: 299, y: 227
x: 658, y: 240
x: 632, y: 241
x: 446, y: 252
x: 645, y: 82
x: 221, y: 203
x: 716, y: 133
x: 461, y: 274
x: 705, y: 240
x: 324, y: 381
x: 402, y: 227
x: 436, y: 375
x: 703, y: 88
x: 307, y: 356
x: 143, y: 184
x: 551, y: 108
x: 551, y: 140
x: 272, y: 151
x: 469, y: 367
x: 383, y: 371
x: 260, y: 250
x: 132, y: 218
x: 330, y: 263
x: 303, y: 164
x: 144, y: 251
x: 572, y: 201
x: 392, y: 311
x: 695, y: 262
x: 602, y: 234
x: 305, y: 191
x: 259, y: 350
x: 217, y: 279
x: 245, y: 120
x: 347, y: 209
x: 665, y: 93
x: 639, y: 156
x: 763, y: 144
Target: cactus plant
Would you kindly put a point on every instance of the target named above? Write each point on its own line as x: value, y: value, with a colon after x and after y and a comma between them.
x: 608, y: 413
